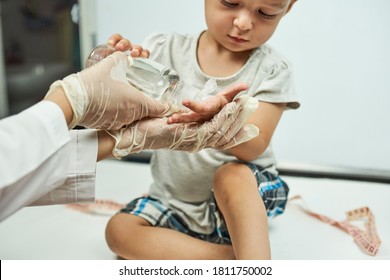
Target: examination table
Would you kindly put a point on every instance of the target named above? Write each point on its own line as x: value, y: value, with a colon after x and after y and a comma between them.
x: 58, y: 232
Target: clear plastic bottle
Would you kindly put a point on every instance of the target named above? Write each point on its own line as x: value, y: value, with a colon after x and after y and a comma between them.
x: 154, y: 79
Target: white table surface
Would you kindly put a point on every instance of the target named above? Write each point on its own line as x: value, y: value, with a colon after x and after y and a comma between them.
x: 60, y: 233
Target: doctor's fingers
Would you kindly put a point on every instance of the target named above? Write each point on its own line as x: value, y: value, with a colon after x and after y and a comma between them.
x: 246, y: 133
x: 232, y: 130
x: 213, y: 131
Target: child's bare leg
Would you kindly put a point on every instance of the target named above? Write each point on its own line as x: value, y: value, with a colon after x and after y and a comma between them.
x: 132, y: 237
x: 238, y: 199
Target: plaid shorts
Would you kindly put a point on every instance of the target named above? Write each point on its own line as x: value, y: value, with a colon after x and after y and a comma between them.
x: 272, y: 189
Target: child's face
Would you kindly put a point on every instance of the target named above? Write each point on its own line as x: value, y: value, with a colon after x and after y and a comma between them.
x: 242, y: 25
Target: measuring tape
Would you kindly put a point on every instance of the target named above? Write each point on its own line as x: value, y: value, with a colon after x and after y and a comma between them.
x: 101, y: 207
x: 367, y: 239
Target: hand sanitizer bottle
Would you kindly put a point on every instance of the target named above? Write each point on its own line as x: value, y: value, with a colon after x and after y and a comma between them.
x: 154, y: 79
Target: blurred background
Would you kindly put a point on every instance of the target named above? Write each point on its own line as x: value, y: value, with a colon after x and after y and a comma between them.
x: 40, y: 44
x: 339, y: 50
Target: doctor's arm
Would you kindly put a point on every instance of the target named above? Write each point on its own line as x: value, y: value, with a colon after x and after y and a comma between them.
x: 42, y: 162
x: 36, y: 154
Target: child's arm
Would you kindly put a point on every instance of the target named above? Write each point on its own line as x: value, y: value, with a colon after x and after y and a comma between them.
x: 266, y: 118
x: 199, y: 111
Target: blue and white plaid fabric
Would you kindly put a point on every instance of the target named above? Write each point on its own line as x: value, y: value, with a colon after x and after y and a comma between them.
x: 273, y: 190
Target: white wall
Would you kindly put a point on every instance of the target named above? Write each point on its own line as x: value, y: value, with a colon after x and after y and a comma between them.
x: 137, y: 19
x: 340, y: 50
x: 340, y: 53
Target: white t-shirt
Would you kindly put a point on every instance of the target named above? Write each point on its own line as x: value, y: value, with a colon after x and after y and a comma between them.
x: 183, y: 181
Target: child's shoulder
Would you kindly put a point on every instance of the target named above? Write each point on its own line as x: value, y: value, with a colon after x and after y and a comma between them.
x: 270, y: 56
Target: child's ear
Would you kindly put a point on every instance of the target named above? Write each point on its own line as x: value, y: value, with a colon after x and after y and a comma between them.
x: 290, y: 5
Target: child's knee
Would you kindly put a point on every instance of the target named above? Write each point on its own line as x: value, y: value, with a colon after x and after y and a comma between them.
x: 231, y: 171
x: 229, y: 175
x: 115, y: 232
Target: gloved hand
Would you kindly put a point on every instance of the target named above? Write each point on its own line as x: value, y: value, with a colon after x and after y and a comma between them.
x: 225, y: 130
x: 101, y: 96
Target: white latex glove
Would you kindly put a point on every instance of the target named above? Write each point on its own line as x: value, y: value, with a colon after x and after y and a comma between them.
x: 227, y: 129
x: 101, y: 96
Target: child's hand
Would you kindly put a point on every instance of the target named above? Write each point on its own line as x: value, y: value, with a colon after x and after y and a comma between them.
x: 123, y: 44
x: 226, y: 129
x: 208, y: 108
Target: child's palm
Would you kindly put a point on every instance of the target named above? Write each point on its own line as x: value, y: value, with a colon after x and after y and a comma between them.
x: 205, y: 110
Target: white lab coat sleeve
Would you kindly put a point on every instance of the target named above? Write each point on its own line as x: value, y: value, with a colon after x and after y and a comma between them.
x: 79, y: 185
x: 38, y: 154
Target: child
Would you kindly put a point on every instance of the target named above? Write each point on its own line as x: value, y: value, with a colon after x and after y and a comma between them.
x: 213, y: 204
